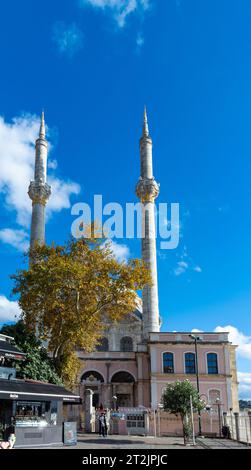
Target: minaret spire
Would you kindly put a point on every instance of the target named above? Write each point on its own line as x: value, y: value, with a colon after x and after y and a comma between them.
x: 145, y: 124
x: 39, y: 191
x: 42, y: 127
x: 147, y: 191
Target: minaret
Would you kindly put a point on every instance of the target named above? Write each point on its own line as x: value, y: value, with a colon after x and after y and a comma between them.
x: 39, y: 191
x: 147, y: 191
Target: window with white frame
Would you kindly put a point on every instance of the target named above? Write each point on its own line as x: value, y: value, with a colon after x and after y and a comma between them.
x: 168, y: 364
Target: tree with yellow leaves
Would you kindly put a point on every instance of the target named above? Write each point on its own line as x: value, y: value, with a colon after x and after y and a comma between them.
x: 67, y: 293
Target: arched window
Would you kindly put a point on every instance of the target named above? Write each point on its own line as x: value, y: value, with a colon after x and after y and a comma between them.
x: 190, y: 366
x: 103, y: 345
x: 126, y: 344
x: 92, y: 376
x: 168, y: 367
x: 122, y: 377
x: 212, y: 363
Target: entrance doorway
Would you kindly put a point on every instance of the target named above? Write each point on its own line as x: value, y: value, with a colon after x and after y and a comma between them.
x: 123, y: 387
x: 93, y: 381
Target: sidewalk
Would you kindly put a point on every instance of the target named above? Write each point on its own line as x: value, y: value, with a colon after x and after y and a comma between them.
x: 211, y: 443
x: 93, y: 441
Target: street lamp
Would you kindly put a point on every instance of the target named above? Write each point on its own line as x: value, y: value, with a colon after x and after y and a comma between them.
x: 115, y: 398
x: 196, y: 339
x: 160, y: 407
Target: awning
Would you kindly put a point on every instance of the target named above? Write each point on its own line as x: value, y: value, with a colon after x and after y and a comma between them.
x: 29, y: 390
x: 10, y: 351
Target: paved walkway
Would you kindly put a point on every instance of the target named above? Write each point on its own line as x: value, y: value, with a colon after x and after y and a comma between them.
x: 210, y: 443
x: 93, y: 441
x: 89, y: 441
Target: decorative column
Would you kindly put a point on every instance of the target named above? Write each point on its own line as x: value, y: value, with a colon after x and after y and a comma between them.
x: 108, y: 394
x: 88, y: 410
x: 147, y: 191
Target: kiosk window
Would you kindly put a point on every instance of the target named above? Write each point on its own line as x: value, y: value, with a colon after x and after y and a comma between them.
x: 135, y: 421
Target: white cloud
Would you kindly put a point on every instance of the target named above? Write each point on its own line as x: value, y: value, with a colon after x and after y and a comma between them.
x: 52, y: 164
x: 120, y: 251
x: 17, y: 158
x: 243, y: 351
x: 182, y: 267
x: 244, y: 379
x: 61, y: 193
x: 9, y: 311
x: 236, y: 337
x: 120, y: 9
x: 197, y: 269
x: 239, y: 338
x: 16, y: 163
x: 19, y: 239
x: 185, y: 264
x: 68, y: 38
x: 140, y: 41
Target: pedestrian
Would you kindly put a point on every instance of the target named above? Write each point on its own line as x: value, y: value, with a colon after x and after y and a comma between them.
x: 102, y: 425
x: 10, y: 437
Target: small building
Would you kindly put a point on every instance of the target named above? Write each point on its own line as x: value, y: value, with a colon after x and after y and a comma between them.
x: 35, y: 409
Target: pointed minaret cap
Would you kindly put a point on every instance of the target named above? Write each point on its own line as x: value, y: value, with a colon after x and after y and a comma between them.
x: 42, y: 127
x: 145, y: 125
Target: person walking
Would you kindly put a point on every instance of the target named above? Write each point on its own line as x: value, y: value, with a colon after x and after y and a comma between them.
x: 102, y: 425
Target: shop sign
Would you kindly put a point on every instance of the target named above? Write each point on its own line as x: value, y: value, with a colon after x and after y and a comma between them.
x: 70, y: 433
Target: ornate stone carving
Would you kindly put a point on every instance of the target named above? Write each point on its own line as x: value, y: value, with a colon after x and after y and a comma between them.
x: 147, y: 189
x: 39, y: 192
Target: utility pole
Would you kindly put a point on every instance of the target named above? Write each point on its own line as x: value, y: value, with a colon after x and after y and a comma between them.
x: 196, y: 339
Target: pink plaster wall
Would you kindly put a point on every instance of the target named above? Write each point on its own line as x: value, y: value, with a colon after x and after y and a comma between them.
x: 179, y: 344
x: 118, y: 366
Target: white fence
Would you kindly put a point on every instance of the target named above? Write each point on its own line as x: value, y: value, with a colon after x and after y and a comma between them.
x: 239, y: 425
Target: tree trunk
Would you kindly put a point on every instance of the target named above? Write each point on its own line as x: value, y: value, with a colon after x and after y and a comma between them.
x: 186, y: 426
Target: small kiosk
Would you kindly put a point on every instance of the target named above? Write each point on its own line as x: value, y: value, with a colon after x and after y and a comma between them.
x: 34, y: 409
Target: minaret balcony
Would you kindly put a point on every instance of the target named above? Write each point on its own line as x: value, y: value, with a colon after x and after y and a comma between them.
x: 147, y: 189
x: 39, y: 192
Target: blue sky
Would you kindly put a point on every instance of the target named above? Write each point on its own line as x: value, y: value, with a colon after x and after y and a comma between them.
x: 92, y: 65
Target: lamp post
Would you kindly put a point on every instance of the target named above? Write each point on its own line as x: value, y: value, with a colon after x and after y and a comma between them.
x: 160, y: 407
x: 196, y: 339
x: 115, y: 398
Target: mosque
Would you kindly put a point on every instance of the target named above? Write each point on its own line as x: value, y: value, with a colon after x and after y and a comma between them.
x: 135, y: 360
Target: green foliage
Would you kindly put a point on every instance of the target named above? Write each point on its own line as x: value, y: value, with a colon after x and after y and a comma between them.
x: 245, y: 404
x: 37, y: 365
x: 176, y: 398
x: 21, y: 334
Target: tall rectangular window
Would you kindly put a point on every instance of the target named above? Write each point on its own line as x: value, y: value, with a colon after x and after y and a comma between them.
x: 168, y: 367
x: 212, y: 363
x: 190, y: 363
